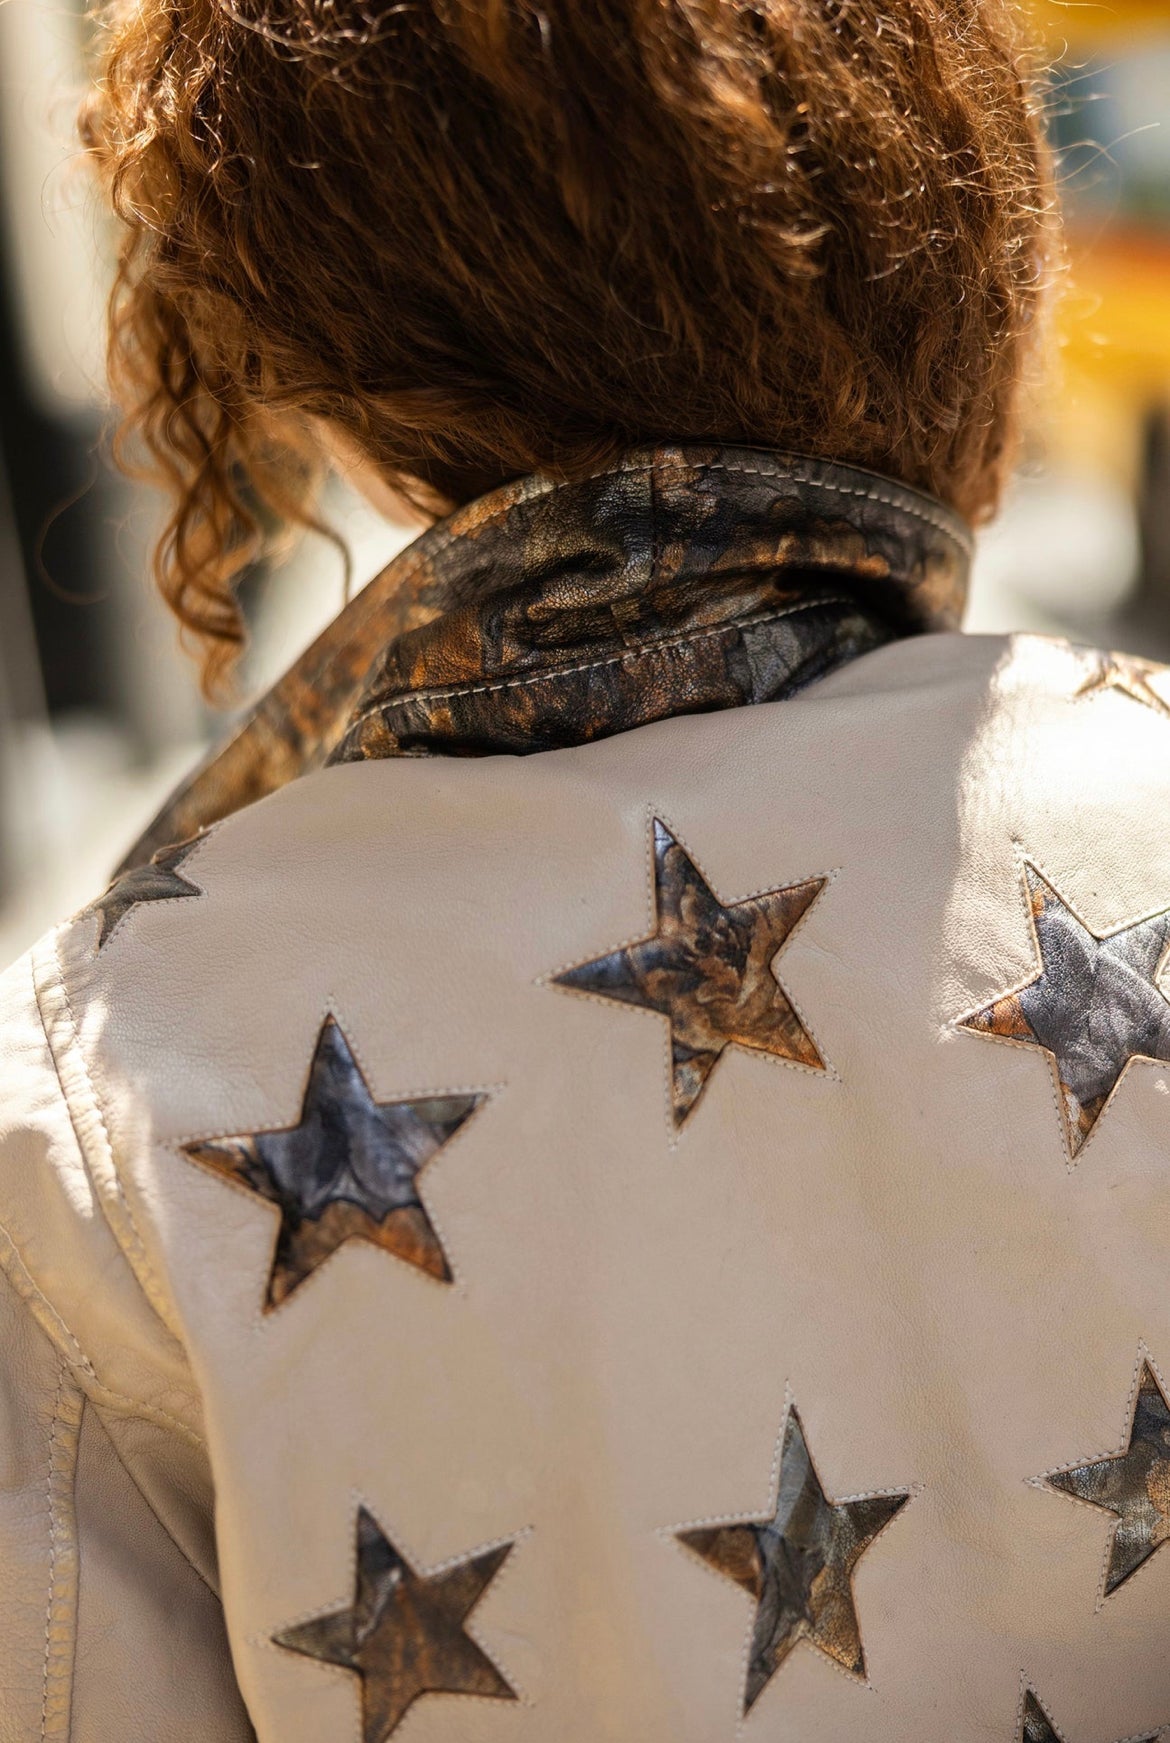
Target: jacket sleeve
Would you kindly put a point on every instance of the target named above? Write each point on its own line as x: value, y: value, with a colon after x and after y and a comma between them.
x: 110, y: 1630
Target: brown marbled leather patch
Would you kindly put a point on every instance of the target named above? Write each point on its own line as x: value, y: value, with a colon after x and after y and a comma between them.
x: 707, y: 967
x: 405, y: 1634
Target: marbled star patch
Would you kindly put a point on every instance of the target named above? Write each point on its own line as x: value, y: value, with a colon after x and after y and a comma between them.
x: 349, y: 1170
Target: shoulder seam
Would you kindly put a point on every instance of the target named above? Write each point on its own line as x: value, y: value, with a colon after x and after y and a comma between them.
x: 49, y: 984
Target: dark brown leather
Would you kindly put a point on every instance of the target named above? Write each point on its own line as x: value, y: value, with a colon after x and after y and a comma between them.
x: 684, y: 579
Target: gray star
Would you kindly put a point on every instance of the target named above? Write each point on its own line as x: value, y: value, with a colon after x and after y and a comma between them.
x: 1133, y: 1485
x: 347, y: 1171
x: 157, y: 881
x: 404, y: 1634
x: 1094, y: 1006
x: 798, y: 1565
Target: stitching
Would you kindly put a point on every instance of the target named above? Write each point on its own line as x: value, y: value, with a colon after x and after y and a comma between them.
x: 117, y: 1452
x: 402, y: 1545
x: 901, y: 502
x: 262, y: 1317
x: 755, y: 1517
x: 19, y: 1276
x: 1023, y: 861
x: 50, y: 1504
x: 627, y: 657
x: 196, y: 893
x: 143, y: 1271
x: 26, y: 1288
x: 905, y: 501
x: 655, y: 814
x: 61, y: 1614
x: 1041, y: 1481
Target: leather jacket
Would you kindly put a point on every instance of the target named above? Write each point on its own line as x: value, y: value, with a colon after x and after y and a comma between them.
x: 654, y: 1241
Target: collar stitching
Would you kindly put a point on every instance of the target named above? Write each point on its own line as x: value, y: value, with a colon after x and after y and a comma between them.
x: 637, y: 653
x: 903, y: 502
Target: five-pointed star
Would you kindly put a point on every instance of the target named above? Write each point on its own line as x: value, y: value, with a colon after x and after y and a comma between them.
x: 1134, y: 1485
x: 157, y: 881
x: 798, y: 1565
x: 348, y: 1171
x: 1094, y: 1006
x: 1037, y: 1727
x: 707, y: 968
x: 1130, y: 676
x: 404, y: 1634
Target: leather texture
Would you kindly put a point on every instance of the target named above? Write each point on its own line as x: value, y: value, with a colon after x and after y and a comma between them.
x: 683, y: 579
x: 899, y: 1247
x: 833, y: 1410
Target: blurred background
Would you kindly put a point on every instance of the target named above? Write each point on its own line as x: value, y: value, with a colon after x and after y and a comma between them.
x: 99, y: 711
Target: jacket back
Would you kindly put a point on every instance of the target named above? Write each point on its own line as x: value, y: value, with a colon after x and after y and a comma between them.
x: 657, y: 1241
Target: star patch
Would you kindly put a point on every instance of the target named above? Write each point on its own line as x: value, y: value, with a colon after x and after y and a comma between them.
x: 1128, y: 675
x: 707, y: 968
x: 1037, y: 1727
x: 404, y: 1634
x: 1133, y: 1485
x: 157, y: 881
x: 348, y: 1171
x: 1094, y: 1006
x: 798, y: 1565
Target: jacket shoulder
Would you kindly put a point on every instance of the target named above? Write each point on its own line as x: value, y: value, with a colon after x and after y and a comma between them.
x: 69, y: 1243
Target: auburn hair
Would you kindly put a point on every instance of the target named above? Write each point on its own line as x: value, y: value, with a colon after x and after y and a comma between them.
x: 490, y: 237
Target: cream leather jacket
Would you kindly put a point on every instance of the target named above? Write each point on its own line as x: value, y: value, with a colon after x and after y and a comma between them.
x: 660, y: 1241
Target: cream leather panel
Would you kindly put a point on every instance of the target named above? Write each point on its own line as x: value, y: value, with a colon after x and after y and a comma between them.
x: 152, y: 1657
x: 899, y: 1244
x: 39, y: 1416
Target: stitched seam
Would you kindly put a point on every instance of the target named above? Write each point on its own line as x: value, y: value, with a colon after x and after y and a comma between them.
x: 99, y: 1110
x: 263, y: 1317
x: 360, y: 1500
x: 903, y: 502
x: 153, y: 1511
x: 672, y: 1535
x: 142, y: 1273
x: 1043, y: 1484
x: 198, y: 842
x: 627, y: 656
x: 1025, y: 859
x: 957, y: 534
x: 95, y: 1389
x: 50, y: 1504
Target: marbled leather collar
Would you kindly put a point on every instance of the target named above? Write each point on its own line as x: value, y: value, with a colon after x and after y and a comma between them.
x: 683, y: 579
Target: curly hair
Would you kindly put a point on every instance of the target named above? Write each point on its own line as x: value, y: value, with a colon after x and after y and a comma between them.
x: 490, y: 237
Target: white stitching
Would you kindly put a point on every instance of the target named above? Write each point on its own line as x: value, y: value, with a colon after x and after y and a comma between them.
x: 646, y: 651
x: 551, y: 978
x: 80, y: 1364
x: 1024, y: 859
x: 263, y: 1317
x: 1042, y: 1482
x: 671, y: 1534
x: 50, y: 1503
x: 144, y: 1270
x: 905, y: 500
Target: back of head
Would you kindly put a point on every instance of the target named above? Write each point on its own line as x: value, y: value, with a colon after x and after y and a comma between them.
x: 487, y: 237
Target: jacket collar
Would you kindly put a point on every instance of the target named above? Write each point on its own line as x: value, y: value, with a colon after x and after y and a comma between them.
x: 685, y: 578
